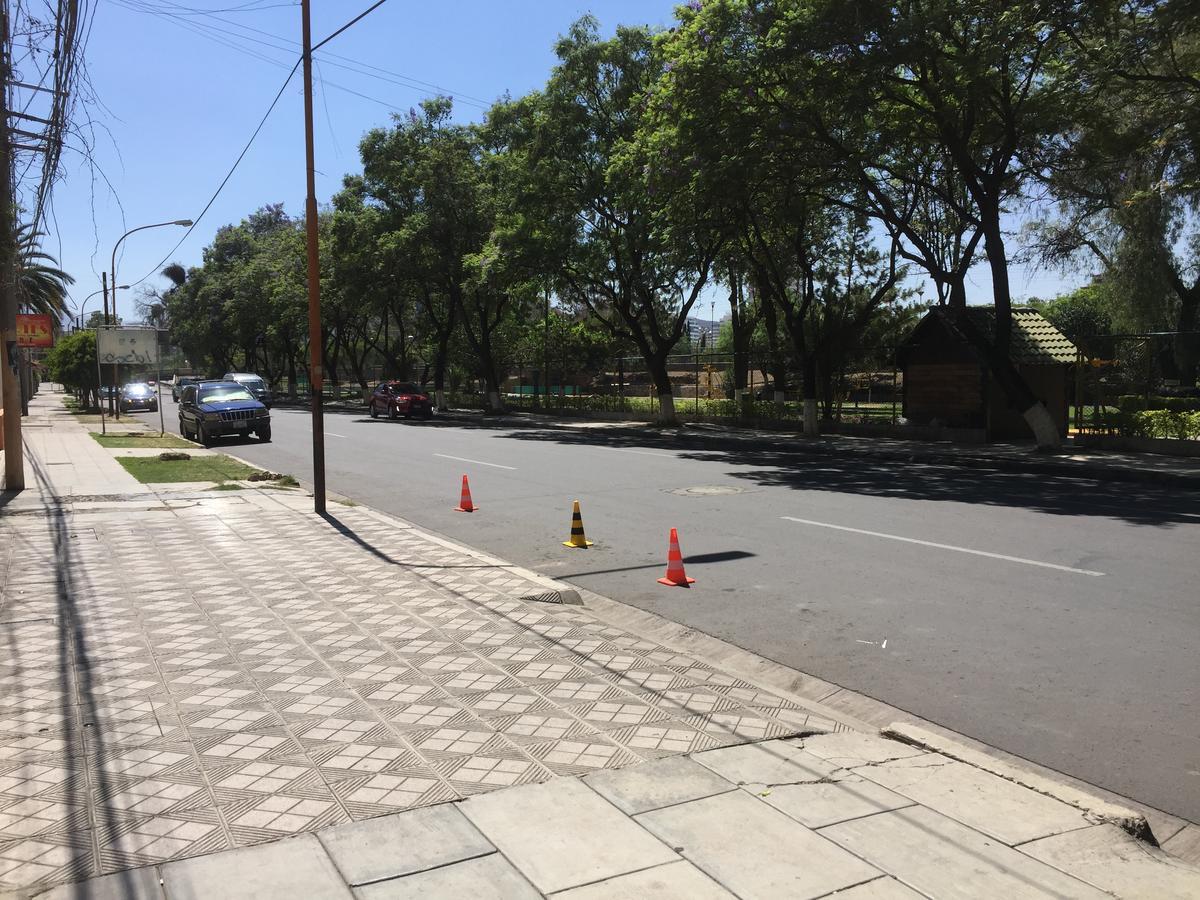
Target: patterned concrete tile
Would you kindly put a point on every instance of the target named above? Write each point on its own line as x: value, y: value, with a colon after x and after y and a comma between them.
x: 42, y: 861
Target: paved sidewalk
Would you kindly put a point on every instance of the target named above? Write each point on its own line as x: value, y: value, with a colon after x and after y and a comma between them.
x: 223, y: 695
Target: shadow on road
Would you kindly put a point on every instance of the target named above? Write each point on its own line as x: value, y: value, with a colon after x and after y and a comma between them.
x: 809, y: 470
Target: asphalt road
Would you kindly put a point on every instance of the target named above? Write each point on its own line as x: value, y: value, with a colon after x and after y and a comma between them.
x: 1072, y: 640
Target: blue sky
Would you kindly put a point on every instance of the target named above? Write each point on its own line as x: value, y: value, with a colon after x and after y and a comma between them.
x: 180, y: 98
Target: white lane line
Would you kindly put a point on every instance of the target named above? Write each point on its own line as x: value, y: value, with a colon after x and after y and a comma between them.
x: 908, y: 540
x: 334, y: 434
x: 642, y: 452
x: 476, y: 462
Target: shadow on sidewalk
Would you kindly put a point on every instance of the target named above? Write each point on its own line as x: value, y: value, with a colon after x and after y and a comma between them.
x: 89, y: 788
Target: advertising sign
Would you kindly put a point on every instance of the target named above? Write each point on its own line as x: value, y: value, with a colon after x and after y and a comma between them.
x: 127, y: 346
x: 34, y: 330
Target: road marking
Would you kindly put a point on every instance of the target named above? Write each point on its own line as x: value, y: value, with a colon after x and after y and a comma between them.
x: 642, y: 452
x: 908, y: 540
x: 476, y: 462
x: 334, y: 434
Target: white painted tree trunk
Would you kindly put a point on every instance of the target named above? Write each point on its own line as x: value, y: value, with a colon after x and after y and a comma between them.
x: 494, y: 401
x: 1045, y: 432
x: 666, y: 409
x: 441, y: 398
x: 810, y: 419
x: 780, y: 397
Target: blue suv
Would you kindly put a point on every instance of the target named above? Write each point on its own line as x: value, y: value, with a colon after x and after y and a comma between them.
x: 213, y: 409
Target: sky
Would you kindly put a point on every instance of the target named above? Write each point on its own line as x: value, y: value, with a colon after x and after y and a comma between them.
x: 182, y: 85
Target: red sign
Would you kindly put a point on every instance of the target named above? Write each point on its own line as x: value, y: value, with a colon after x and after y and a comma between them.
x: 34, y: 331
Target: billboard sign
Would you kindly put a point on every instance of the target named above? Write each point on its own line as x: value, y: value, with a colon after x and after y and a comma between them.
x: 35, y: 330
x: 127, y: 346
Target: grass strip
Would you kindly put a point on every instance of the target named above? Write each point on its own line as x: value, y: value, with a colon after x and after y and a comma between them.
x: 217, y: 468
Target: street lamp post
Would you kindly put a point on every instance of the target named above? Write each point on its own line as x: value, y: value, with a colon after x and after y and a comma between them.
x: 186, y: 223
x: 79, y: 324
x: 83, y: 304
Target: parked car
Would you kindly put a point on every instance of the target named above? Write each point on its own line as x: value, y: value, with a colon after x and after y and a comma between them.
x: 254, y: 384
x: 213, y: 409
x: 138, y: 396
x: 181, y: 381
x: 399, y: 398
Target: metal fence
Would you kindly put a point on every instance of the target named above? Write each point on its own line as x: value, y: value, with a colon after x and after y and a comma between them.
x: 1137, y: 384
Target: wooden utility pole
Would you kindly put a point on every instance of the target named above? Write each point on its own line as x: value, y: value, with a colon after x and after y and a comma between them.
x: 10, y: 387
x: 316, y: 375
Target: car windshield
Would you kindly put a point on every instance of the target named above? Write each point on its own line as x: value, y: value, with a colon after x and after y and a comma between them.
x: 138, y: 390
x: 223, y: 392
x: 254, y: 384
x: 407, y: 388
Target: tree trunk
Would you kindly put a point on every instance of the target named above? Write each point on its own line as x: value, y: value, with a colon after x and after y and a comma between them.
x: 809, y: 393
x: 775, y: 358
x: 657, y: 364
x: 998, y: 354
x: 439, y: 371
x: 1187, y: 344
x: 291, y: 371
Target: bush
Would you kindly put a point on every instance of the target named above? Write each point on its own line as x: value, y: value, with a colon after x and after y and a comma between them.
x: 1140, y: 403
x: 1153, y: 423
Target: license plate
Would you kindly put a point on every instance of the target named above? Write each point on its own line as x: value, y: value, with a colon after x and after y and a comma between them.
x: 241, y: 426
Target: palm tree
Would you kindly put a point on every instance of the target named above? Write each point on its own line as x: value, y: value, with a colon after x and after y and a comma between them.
x: 41, y: 285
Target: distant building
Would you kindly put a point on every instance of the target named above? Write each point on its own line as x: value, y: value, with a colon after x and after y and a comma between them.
x: 697, y: 328
x: 947, y: 382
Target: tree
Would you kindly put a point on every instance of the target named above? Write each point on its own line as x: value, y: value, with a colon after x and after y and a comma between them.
x: 72, y: 363
x: 423, y: 173
x: 41, y: 285
x: 637, y: 268
x: 1126, y: 174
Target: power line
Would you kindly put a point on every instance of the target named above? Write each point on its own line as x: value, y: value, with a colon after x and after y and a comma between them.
x: 225, y: 180
x: 280, y: 43
x: 362, y: 15
x: 246, y: 149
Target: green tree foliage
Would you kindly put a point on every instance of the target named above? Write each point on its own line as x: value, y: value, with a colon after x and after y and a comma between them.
x: 72, y: 363
x: 41, y: 284
x: 809, y: 157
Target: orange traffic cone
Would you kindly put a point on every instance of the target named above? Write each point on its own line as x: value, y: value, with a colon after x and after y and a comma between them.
x: 578, y: 539
x: 675, y: 576
x: 465, y: 504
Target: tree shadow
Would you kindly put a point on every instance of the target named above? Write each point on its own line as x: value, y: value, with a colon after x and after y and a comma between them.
x: 770, y: 463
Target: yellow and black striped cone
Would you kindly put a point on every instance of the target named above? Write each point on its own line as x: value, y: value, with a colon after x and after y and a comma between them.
x: 578, y: 541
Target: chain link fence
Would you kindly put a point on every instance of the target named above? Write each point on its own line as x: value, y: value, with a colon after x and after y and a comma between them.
x: 1137, y: 385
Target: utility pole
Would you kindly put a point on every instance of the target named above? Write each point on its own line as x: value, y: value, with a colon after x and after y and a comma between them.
x: 316, y: 375
x: 100, y: 383
x: 14, y: 461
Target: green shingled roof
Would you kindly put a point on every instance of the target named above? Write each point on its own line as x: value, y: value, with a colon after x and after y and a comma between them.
x: 1035, y: 342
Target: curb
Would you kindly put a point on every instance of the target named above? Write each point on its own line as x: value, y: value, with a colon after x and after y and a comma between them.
x: 799, y: 444
x: 1097, y: 809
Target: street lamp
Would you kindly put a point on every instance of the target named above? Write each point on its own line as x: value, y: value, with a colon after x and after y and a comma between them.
x: 185, y: 223
x: 83, y: 305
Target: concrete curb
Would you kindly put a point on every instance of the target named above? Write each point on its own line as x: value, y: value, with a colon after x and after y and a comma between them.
x: 1036, y: 465
x: 1095, y: 808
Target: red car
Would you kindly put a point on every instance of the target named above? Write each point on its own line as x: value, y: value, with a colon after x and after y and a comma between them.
x: 400, y: 398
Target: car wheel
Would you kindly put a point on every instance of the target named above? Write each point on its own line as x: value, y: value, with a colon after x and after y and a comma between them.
x: 374, y: 412
x: 202, y: 436
x: 392, y: 413
x: 182, y: 430
x: 427, y: 415
x: 264, y: 434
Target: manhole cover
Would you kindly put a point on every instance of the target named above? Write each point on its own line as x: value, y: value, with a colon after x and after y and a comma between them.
x: 708, y: 490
